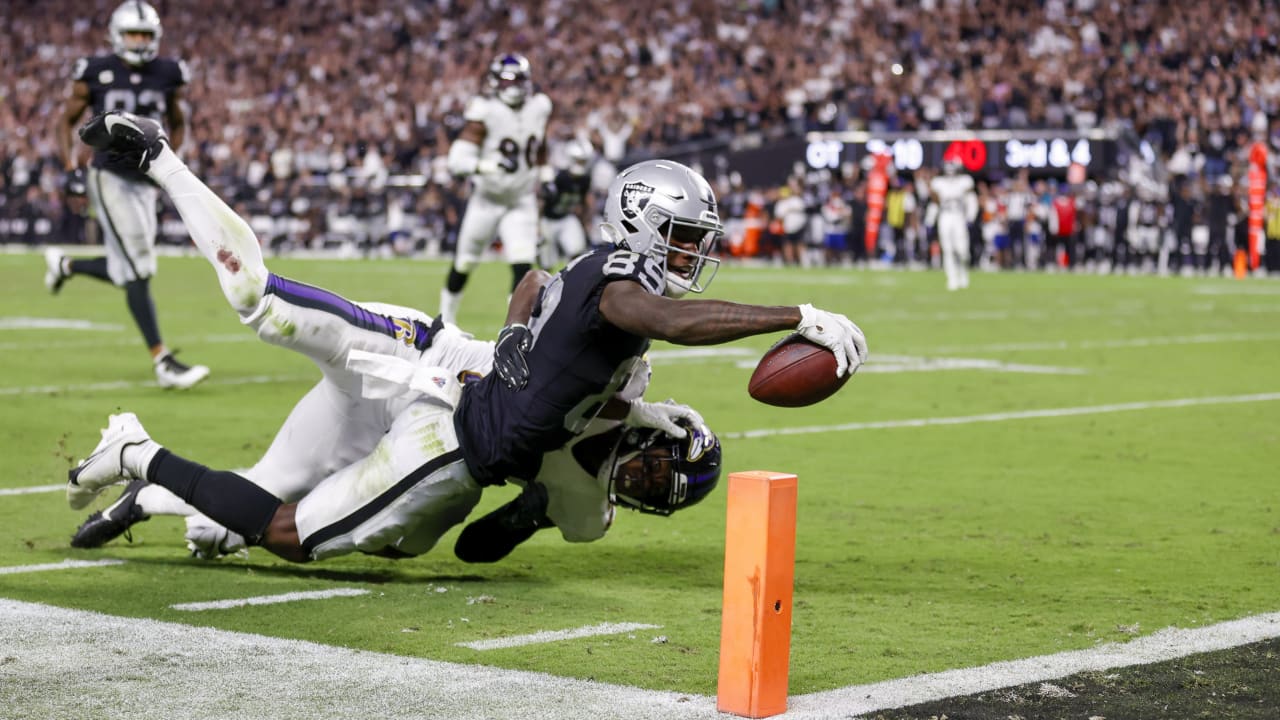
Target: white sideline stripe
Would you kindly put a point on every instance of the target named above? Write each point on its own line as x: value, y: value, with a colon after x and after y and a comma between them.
x: 1001, y: 417
x: 32, y: 489
x: 72, y: 663
x: 64, y: 661
x: 64, y: 565
x: 35, y: 323
x: 128, y: 384
x: 269, y: 599
x: 547, y: 636
x: 1162, y: 645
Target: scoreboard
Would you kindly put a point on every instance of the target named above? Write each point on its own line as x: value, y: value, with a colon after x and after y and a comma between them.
x: 987, y: 153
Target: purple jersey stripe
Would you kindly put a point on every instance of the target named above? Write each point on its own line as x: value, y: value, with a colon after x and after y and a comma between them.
x: 303, y: 295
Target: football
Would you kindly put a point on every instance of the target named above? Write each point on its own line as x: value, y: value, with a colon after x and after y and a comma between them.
x: 794, y: 373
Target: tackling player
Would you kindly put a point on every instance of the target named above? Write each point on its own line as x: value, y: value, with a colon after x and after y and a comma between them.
x: 502, y: 148
x: 134, y: 80
x: 589, y: 327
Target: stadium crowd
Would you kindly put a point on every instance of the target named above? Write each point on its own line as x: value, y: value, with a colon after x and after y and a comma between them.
x: 332, y: 118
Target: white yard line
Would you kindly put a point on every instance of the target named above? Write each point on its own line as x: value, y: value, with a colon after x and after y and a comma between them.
x: 130, y: 341
x: 269, y: 599
x: 64, y: 565
x: 1207, y: 338
x: 33, y: 489
x: 129, y: 384
x: 1005, y: 416
x: 909, y: 363
x: 547, y: 636
x: 60, y: 662
x: 35, y: 323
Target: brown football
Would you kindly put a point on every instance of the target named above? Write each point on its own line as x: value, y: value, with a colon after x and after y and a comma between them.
x: 795, y: 373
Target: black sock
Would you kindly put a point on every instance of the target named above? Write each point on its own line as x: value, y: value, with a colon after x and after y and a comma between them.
x: 518, y: 271
x: 456, y: 281
x: 224, y: 496
x: 93, y: 267
x: 137, y: 294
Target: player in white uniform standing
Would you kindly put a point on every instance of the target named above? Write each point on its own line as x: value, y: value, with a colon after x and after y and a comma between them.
x: 957, y: 206
x: 502, y: 149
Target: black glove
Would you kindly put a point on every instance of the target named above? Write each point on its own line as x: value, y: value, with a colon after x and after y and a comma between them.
x: 508, y: 355
x: 74, y: 184
x: 495, y: 535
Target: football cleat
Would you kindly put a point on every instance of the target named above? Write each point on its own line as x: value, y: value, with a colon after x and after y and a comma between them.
x: 172, y: 374
x: 105, y: 466
x: 132, y: 140
x: 54, y: 275
x: 106, y: 525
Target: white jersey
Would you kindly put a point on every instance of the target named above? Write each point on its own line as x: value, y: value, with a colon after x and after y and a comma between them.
x: 513, y: 137
x: 953, y: 193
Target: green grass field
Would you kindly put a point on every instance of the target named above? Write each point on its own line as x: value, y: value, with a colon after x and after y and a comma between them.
x: 1066, y: 500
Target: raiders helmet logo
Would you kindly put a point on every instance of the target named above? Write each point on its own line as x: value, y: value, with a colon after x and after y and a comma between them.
x: 635, y: 196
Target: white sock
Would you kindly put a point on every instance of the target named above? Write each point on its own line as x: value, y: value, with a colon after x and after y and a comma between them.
x: 449, y: 303
x: 222, y: 236
x: 136, y: 459
x: 155, y: 500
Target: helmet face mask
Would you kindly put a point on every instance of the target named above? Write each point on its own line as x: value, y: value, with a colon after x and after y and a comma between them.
x: 667, y: 211
x: 133, y: 17
x: 657, y: 474
x: 509, y: 79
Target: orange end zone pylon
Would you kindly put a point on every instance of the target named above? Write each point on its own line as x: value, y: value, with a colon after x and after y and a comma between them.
x: 759, y: 575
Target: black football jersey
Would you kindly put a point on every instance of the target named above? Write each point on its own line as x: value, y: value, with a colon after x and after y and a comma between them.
x: 577, y: 363
x: 564, y: 194
x: 144, y: 90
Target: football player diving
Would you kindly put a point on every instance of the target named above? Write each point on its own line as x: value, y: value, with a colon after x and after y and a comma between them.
x: 370, y: 355
x: 587, y: 332
x: 135, y: 80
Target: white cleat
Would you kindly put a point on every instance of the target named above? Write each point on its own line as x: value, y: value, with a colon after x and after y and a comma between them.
x: 172, y: 374
x: 54, y: 275
x: 105, y: 466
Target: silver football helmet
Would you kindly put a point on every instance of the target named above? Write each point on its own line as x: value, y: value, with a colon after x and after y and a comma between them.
x: 509, y: 78
x: 135, y: 16
x: 578, y: 152
x: 660, y: 208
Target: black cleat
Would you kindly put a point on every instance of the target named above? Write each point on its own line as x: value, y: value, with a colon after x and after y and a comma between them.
x: 106, y: 525
x: 131, y: 140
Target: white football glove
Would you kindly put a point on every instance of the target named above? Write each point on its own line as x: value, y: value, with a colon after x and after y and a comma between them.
x: 663, y: 416
x: 836, y: 333
x: 208, y: 540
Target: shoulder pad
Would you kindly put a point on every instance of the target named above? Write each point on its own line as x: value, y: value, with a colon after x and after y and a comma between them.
x: 477, y: 109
